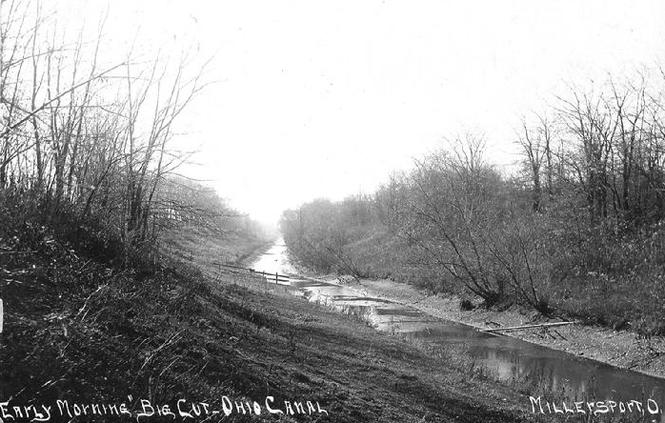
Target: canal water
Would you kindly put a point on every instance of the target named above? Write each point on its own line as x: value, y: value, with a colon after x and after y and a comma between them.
x: 541, y: 371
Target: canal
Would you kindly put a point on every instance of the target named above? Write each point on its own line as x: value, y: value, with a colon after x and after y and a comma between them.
x: 542, y: 371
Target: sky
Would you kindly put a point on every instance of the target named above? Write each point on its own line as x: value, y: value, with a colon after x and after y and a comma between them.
x: 315, y: 99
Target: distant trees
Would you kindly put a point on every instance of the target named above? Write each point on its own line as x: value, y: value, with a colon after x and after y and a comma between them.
x: 319, y: 233
x: 182, y: 203
x: 586, y: 209
x: 390, y: 201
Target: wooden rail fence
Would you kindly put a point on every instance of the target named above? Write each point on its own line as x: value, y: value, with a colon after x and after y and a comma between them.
x: 270, y: 276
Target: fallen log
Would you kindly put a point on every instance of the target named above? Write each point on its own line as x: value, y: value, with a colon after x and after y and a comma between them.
x: 541, y: 325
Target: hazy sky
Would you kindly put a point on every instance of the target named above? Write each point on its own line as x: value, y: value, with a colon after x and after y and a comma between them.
x: 325, y: 99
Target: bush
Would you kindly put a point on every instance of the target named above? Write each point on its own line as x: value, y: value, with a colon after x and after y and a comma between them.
x: 466, y: 305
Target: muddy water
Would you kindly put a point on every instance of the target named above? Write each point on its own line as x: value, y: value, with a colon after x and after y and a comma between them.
x: 538, y: 370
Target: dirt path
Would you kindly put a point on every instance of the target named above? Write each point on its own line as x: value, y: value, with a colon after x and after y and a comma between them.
x: 619, y: 348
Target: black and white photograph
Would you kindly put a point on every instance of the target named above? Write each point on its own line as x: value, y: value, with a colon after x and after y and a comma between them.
x: 332, y: 211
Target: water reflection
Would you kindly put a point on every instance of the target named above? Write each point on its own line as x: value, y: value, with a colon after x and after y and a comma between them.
x: 534, y: 369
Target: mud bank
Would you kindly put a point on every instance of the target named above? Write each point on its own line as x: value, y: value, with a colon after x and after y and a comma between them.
x: 619, y: 348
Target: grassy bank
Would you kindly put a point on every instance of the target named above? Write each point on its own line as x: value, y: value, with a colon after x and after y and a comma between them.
x: 630, y: 296
x: 607, y: 280
x: 82, y: 330
x: 205, y: 250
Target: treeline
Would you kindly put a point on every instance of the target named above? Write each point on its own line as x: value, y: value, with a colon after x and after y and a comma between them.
x: 579, y: 229
x: 85, y: 141
x: 185, y: 204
